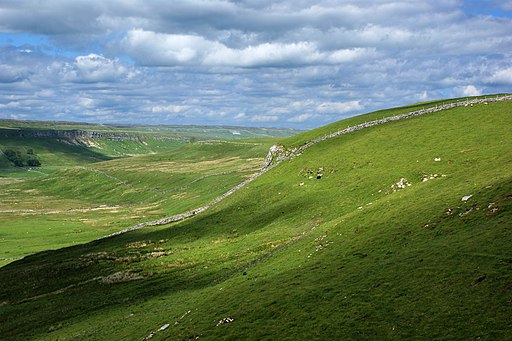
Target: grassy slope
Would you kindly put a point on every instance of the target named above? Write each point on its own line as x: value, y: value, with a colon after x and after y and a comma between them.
x: 289, y: 257
x: 297, y: 140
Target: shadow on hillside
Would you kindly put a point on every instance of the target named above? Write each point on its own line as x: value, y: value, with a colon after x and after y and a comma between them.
x: 65, y: 151
x: 63, y: 284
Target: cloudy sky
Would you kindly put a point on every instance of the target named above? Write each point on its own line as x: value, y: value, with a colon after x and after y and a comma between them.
x: 298, y: 64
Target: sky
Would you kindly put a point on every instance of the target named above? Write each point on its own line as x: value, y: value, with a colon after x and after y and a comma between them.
x: 296, y: 64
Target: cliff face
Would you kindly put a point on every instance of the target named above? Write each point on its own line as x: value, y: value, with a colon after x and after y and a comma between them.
x: 72, y: 135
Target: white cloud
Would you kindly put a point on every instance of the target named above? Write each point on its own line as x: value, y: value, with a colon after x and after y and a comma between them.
x: 264, y: 118
x: 96, y: 68
x: 470, y: 90
x: 86, y: 102
x: 168, y: 108
x: 160, y: 49
x: 339, y: 107
x: 503, y: 76
x: 241, y: 116
x: 12, y: 74
x: 300, y: 118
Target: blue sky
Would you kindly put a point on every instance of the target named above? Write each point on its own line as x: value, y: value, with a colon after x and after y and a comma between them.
x: 298, y: 64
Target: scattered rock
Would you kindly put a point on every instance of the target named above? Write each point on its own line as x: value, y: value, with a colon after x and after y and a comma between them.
x: 120, y: 277
x: 403, y: 183
x: 164, y: 327
x: 466, y: 197
x: 479, y: 280
x: 425, y: 178
x: 318, y: 173
x: 468, y: 211
x: 225, y: 320
x: 492, y: 208
x: 149, y: 336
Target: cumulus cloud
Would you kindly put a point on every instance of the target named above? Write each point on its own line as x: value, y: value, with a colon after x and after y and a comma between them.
x: 94, y: 68
x: 300, y: 118
x: 339, y: 107
x: 11, y: 74
x: 159, y: 49
x: 86, y: 102
x: 171, y: 108
x: 264, y: 118
x: 503, y: 76
x: 470, y: 90
x: 241, y: 116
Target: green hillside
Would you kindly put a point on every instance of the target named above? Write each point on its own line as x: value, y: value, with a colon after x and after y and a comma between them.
x: 396, y: 231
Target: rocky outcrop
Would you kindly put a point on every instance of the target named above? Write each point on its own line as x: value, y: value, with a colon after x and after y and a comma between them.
x: 68, y: 134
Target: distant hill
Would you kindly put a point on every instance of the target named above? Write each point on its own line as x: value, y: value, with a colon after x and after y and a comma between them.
x: 119, y: 131
x: 70, y: 143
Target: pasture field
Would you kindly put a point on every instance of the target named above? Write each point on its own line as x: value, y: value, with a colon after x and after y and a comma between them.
x: 404, y: 235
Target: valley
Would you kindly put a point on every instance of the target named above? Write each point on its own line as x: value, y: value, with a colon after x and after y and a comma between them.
x: 393, y: 230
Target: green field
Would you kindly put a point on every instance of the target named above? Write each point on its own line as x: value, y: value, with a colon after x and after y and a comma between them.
x: 349, y: 255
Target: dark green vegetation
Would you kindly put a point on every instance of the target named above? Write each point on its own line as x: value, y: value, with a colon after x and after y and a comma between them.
x: 20, y: 159
x: 348, y: 256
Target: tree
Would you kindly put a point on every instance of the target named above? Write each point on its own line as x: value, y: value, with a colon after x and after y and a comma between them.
x: 18, y: 163
x: 33, y: 162
x: 10, y: 154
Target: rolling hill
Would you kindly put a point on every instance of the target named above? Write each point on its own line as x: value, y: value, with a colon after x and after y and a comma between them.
x: 399, y: 230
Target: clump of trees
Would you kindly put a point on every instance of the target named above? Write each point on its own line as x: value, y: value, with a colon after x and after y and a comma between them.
x: 19, y: 159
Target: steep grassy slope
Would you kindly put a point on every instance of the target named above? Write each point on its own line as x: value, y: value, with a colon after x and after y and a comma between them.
x: 347, y: 256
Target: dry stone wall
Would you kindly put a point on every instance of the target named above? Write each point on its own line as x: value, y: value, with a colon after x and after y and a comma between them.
x: 278, y: 154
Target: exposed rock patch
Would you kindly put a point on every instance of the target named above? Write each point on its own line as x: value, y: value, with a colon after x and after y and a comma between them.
x: 120, y: 277
x: 401, y: 184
